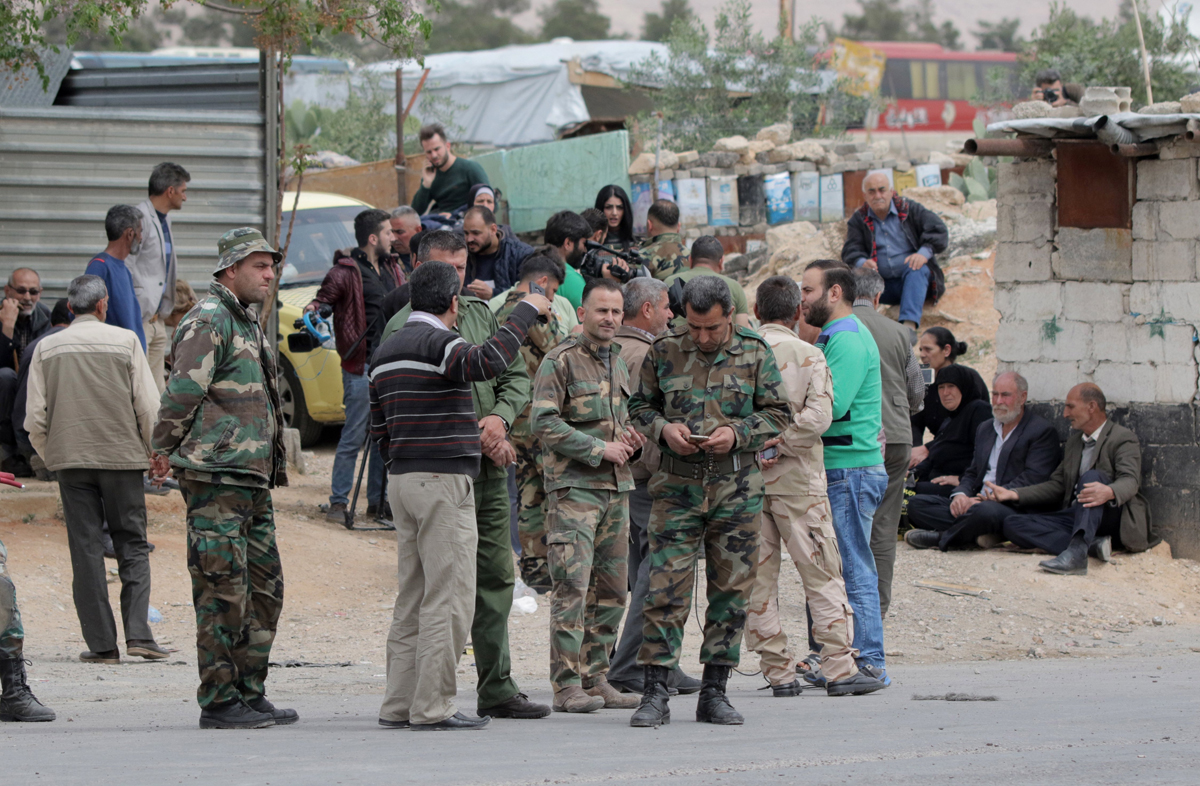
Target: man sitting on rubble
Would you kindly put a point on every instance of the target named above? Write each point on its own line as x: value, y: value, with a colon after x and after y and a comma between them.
x: 899, y: 238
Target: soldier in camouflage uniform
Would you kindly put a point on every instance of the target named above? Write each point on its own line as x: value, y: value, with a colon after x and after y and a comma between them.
x: 220, y: 431
x: 17, y: 702
x: 580, y: 417
x: 717, y: 381
x: 796, y: 513
x: 664, y: 250
x: 545, y: 272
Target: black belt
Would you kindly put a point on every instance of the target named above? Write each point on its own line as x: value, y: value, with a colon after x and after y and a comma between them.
x: 709, y: 467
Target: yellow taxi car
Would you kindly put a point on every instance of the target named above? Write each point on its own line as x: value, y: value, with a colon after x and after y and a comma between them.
x: 310, y: 384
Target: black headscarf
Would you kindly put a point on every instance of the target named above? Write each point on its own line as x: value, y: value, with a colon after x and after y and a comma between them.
x: 962, y: 378
x: 953, y: 447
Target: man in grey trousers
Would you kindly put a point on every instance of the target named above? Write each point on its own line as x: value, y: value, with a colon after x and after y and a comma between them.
x: 903, y: 396
x: 90, y: 413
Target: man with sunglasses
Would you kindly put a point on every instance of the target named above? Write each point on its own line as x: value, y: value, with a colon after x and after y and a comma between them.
x: 23, y: 318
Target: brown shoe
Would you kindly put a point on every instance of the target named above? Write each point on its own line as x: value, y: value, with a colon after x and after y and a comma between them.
x: 110, y: 658
x: 573, y: 699
x: 613, y: 698
x: 150, y: 650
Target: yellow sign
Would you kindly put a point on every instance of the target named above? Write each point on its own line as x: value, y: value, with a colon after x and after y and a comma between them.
x: 860, y: 65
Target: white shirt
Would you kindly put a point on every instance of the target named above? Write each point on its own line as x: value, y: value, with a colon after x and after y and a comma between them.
x: 1089, y: 449
x: 427, y: 318
x: 994, y: 457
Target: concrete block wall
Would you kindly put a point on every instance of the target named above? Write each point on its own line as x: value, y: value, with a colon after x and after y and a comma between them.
x: 1118, y: 307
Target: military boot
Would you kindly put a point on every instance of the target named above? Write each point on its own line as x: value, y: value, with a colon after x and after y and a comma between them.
x: 653, y: 711
x: 17, y: 702
x: 713, y: 706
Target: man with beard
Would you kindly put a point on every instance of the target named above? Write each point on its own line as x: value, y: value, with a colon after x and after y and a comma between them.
x: 854, y: 468
x: 495, y: 261
x: 23, y: 318
x: 447, y: 179
x: 565, y: 235
x: 1015, y: 449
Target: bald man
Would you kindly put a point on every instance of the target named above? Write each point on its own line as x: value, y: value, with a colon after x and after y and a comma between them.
x: 1096, y: 488
x: 899, y: 238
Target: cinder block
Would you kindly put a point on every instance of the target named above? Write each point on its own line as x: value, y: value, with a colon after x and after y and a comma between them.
x: 1018, y: 342
x: 1125, y: 382
x: 1145, y: 221
x: 1027, y: 177
x: 1093, y: 302
x: 1163, y: 260
x: 1178, y: 344
x: 1129, y: 342
x: 1022, y: 262
x: 1025, y: 218
x: 1178, y: 220
x: 1110, y: 341
x: 1178, y: 148
x: 801, y: 166
x: 1048, y: 381
x: 1166, y: 180
x: 1179, y: 301
x: 1175, y: 383
x: 1029, y: 341
x: 1029, y: 302
x: 1093, y: 254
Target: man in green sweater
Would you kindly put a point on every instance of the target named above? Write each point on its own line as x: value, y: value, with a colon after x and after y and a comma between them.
x: 447, y: 179
x: 854, y: 466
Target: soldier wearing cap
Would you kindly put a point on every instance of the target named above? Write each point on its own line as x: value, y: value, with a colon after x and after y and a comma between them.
x: 710, y: 395
x: 220, y: 431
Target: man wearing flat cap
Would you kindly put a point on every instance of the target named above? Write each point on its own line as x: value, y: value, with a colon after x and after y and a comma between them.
x: 220, y: 431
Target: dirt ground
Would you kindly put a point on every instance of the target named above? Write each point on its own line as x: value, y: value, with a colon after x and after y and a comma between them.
x: 341, y: 586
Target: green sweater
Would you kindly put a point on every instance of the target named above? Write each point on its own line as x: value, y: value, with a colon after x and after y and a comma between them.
x: 852, y: 440
x: 450, y: 188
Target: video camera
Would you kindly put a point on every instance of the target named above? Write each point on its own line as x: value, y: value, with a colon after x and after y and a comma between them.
x: 594, y: 262
x: 1049, y: 95
x: 314, y: 330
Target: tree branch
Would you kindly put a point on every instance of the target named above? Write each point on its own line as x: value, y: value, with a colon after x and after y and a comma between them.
x: 229, y: 10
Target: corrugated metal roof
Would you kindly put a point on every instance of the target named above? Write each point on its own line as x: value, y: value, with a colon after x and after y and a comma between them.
x: 62, y: 168
x: 24, y: 87
x: 212, y: 85
x: 1138, y: 126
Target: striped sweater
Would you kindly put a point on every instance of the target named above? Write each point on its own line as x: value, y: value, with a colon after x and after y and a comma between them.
x: 422, y: 413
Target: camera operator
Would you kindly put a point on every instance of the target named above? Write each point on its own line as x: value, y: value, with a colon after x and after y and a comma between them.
x: 1049, y: 87
x: 355, y: 288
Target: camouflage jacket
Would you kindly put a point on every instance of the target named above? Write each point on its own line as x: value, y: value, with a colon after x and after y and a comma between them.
x: 541, y: 339
x: 578, y: 405
x: 220, y: 414
x: 739, y: 387
x: 809, y: 390
x: 664, y: 255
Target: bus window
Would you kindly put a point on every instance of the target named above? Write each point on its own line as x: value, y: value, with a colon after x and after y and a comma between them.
x: 932, y: 83
x: 960, y: 81
x: 925, y: 82
x: 897, y: 79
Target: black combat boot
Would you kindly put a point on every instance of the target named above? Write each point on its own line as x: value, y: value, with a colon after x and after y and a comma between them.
x: 17, y: 703
x: 653, y: 711
x: 713, y: 706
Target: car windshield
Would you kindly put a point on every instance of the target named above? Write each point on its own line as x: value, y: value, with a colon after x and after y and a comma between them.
x: 319, y: 232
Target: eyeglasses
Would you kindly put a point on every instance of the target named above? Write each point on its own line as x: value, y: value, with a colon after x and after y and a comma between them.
x: 23, y: 291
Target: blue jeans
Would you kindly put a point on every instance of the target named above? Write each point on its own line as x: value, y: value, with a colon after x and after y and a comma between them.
x: 853, y: 496
x: 356, y: 397
x: 908, y: 287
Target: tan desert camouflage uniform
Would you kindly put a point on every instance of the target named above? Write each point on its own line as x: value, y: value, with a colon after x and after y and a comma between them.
x: 579, y: 403
x: 796, y: 515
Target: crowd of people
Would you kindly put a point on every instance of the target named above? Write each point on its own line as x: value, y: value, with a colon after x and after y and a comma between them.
x: 610, y: 422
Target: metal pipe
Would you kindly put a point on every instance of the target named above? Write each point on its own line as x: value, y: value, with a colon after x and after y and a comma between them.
x: 1111, y: 133
x: 1193, y: 130
x: 1022, y: 148
x: 1135, y: 150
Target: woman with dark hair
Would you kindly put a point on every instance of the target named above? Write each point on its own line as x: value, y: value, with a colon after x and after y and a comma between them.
x: 614, y: 203
x: 938, y: 348
x: 951, y: 451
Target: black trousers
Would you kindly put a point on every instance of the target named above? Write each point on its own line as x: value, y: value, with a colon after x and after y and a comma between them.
x: 88, y: 497
x: 932, y: 489
x: 932, y: 512
x: 1052, y: 532
x: 623, y: 665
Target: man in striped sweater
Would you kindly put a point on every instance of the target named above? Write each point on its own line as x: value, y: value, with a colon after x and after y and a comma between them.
x: 424, y: 419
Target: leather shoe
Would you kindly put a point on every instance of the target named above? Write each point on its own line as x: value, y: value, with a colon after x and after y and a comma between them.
x: 281, y: 716
x: 110, y: 658
x: 518, y: 707
x: 1101, y: 549
x: 989, y: 540
x: 573, y: 699
x: 150, y: 650
x: 456, y: 722
x: 857, y: 685
x: 786, y: 691
x: 1072, y: 562
x: 234, y: 715
x: 613, y: 698
x: 679, y: 681
x: 923, y: 538
x: 389, y: 724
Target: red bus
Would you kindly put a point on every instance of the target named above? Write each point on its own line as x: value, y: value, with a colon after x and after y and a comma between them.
x: 931, y: 89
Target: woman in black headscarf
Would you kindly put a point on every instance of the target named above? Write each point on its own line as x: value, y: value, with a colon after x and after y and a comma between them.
x: 614, y: 203
x: 951, y: 451
x: 938, y: 348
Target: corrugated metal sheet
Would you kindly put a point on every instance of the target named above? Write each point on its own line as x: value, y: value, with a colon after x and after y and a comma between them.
x: 62, y: 168
x: 24, y: 87
x: 1142, y: 127
x: 213, y: 85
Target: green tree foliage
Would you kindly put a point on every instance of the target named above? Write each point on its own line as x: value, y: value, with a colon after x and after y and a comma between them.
x: 734, y: 81
x: 1106, y: 52
x: 884, y: 20
x: 1000, y: 35
x: 578, y: 19
x: 468, y: 25
x: 656, y: 27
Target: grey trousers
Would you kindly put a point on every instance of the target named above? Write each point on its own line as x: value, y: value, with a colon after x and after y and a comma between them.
x: 624, y: 665
x: 887, y: 520
x: 89, y: 496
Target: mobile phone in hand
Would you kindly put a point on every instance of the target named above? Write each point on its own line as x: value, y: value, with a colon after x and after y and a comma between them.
x: 697, y: 439
x: 769, y: 453
x: 535, y: 289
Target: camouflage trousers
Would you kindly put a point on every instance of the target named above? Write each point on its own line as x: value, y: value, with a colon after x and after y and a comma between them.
x: 804, y: 527
x: 237, y: 587
x: 531, y: 515
x: 12, y: 634
x: 588, y: 551
x: 719, y: 514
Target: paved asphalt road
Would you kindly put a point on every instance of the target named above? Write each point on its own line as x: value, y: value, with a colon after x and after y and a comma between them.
x: 1070, y: 721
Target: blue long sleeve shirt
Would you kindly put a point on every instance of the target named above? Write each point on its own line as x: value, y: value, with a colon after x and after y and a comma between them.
x: 123, y: 308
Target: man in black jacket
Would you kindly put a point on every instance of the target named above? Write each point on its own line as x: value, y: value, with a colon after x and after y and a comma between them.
x: 899, y: 238
x: 1014, y: 449
x: 23, y: 319
x: 495, y: 261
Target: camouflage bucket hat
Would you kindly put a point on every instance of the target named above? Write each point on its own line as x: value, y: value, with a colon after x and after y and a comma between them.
x: 237, y: 244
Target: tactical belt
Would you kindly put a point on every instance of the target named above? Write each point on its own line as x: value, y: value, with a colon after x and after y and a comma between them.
x: 709, y: 466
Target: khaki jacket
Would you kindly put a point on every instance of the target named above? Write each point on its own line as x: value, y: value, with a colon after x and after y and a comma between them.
x: 152, y: 269
x: 634, y: 346
x: 92, y: 398
x: 809, y: 389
